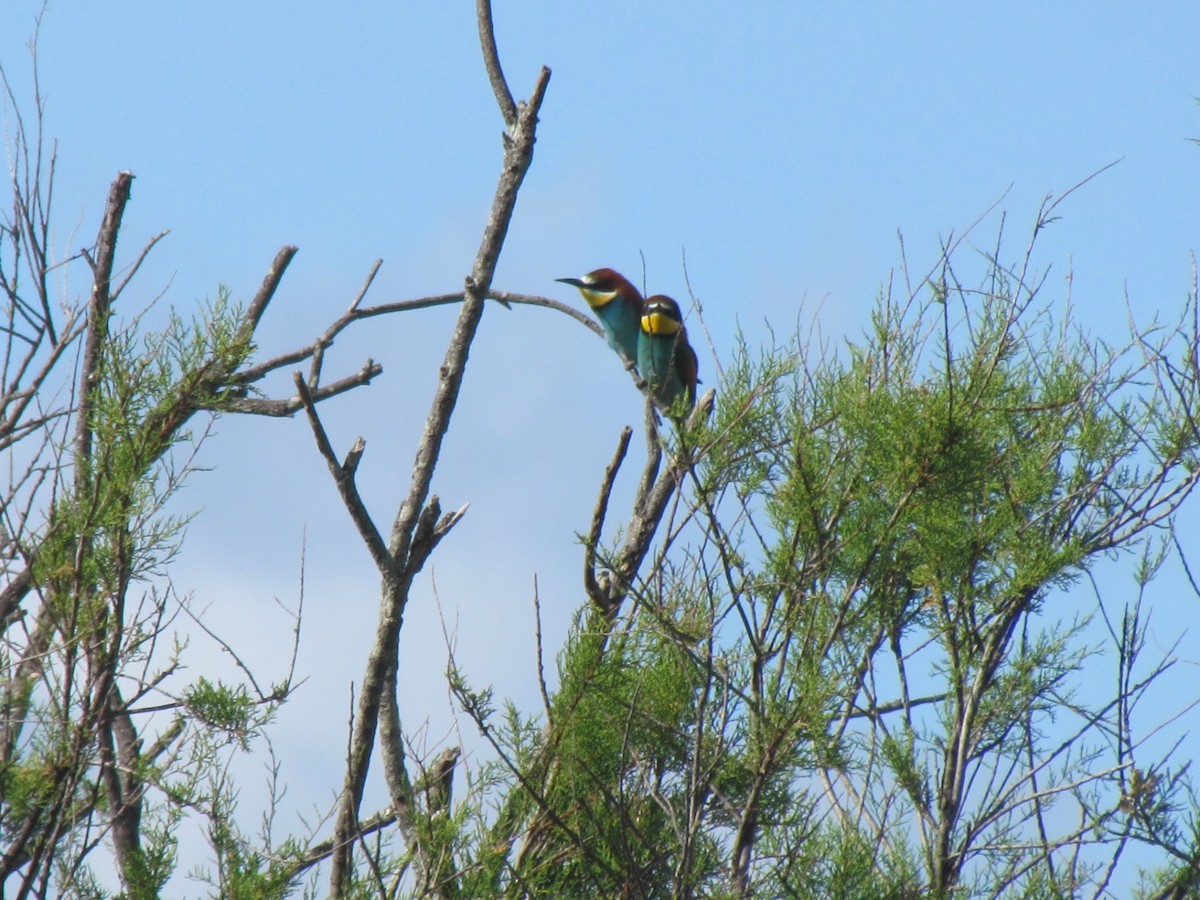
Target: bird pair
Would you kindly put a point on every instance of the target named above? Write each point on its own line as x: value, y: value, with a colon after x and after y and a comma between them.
x: 648, y: 333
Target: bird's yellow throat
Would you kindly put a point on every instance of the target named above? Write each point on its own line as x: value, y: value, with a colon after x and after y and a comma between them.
x: 658, y: 323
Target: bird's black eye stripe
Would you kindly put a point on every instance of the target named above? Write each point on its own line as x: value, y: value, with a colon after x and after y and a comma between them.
x: 663, y: 309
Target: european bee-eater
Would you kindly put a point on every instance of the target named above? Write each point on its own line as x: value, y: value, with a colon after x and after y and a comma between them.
x: 665, y: 358
x: 618, y: 306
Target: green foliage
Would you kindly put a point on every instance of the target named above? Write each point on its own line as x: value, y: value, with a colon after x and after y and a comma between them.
x: 244, y: 872
x: 246, y: 875
x: 845, y: 863
x: 223, y: 708
x: 597, y: 829
x: 79, y: 756
x: 850, y: 672
x: 856, y: 666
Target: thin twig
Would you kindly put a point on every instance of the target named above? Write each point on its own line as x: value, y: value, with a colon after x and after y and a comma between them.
x: 599, y: 597
x: 137, y: 263
x: 541, y: 656
x: 288, y: 406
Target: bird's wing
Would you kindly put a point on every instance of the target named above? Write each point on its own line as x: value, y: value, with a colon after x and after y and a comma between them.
x: 686, y: 363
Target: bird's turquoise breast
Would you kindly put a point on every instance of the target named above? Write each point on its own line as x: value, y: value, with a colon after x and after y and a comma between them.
x: 655, y: 359
x: 621, y: 327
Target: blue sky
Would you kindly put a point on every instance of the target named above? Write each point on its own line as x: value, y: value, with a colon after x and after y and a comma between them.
x: 782, y: 145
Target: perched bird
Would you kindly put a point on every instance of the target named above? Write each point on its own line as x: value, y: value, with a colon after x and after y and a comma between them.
x: 618, y: 306
x: 665, y: 358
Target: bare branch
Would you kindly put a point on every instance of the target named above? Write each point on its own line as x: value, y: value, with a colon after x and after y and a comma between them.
x: 491, y: 61
x: 258, y: 305
x: 314, y: 373
x: 99, y: 308
x: 290, y: 405
x: 407, y: 553
x: 316, y: 350
x: 343, y: 477
x: 601, y: 598
x: 539, y: 653
x: 322, y: 851
x: 518, y: 156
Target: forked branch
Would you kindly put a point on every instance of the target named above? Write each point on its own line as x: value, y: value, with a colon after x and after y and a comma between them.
x: 418, y: 524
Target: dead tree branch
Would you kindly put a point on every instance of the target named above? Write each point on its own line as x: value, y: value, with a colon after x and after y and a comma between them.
x: 419, y: 525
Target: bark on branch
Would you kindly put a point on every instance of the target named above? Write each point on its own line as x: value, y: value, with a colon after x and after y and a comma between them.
x: 418, y: 524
